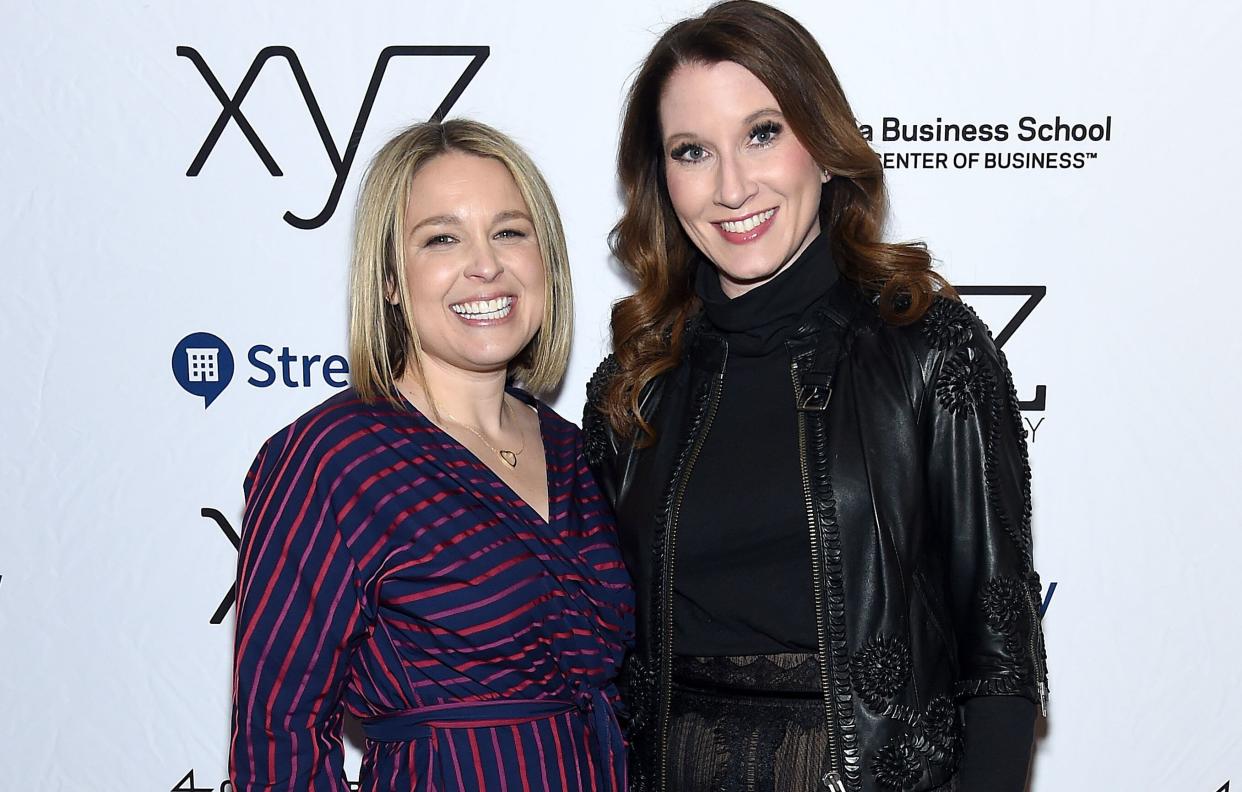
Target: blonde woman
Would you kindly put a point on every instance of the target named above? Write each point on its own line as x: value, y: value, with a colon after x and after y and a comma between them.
x: 428, y: 549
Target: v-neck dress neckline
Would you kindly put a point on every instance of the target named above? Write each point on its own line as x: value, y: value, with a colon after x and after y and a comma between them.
x: 513, y: 496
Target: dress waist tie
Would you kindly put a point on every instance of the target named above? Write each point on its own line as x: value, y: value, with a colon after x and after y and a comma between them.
x: 415, y: 724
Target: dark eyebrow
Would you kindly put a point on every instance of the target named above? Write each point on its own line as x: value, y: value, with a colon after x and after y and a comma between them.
x: 747, y: 121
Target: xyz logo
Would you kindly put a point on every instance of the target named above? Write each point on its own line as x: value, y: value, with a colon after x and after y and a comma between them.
x: 231, y: 110
x: 1034, y: 295
x: 230, y: 596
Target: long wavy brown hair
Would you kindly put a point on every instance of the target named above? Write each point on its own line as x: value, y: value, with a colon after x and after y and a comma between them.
x: 647, y: 326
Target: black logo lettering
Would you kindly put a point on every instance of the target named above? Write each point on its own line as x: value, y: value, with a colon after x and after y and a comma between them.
x: 186, y: 784
x: 1034, y: 295
x: 341, y: 164
x: 231, y: 535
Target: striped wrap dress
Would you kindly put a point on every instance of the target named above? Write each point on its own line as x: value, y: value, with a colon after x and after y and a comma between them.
x: 386, y: 570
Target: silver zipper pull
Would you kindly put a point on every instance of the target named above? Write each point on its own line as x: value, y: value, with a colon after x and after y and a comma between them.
x: 833, y: 782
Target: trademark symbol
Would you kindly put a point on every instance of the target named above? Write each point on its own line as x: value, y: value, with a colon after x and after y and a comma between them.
x: 1093, y: 155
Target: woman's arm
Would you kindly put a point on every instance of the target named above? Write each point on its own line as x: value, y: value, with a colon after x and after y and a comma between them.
x: 979, y: 485
x: 298, y: 615
x: 1000, y: 731
x: 601, y: 450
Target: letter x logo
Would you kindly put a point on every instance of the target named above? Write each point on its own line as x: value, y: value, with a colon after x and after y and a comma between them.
x: 231, y: 535
x: 231, y: 109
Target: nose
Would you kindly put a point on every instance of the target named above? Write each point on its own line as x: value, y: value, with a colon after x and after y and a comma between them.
x: 484, y: 264
x: 734, y: 187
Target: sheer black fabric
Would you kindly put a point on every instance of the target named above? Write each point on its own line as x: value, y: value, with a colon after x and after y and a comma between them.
x: 752, y: 723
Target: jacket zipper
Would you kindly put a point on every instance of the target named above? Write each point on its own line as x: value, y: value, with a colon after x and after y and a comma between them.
x: 833, y: 780
x: 1040, y: 687
x: 666, y: 661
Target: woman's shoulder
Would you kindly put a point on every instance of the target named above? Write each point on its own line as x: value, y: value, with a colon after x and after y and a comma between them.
x: 947, y: 325
x: 324, y: 432
x: 550, y: 418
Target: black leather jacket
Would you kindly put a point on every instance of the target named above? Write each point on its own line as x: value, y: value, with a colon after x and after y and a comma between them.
x: 917, y: 489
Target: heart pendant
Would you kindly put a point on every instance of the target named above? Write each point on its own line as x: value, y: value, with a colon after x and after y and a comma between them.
x: 509, y: 457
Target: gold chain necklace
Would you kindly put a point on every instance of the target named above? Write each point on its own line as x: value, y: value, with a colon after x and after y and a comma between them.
x: 510, y: 458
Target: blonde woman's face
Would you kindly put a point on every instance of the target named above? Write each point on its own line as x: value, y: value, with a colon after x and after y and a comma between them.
x: 473, y: 269
x: 743, y: 186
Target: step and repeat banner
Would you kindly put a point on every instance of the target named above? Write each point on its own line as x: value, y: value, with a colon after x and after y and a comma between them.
x: 178, y: 187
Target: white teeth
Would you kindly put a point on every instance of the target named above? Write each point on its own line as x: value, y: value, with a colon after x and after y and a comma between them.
x: 495, y: 308
x: 742, y: 226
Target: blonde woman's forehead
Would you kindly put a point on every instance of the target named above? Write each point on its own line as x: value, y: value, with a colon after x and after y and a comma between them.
x: 456, y: 187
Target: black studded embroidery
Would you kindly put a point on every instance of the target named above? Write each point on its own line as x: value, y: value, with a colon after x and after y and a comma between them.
x: 1003, y: 601
x: 897, y: 764
x: 879, y: 670
x: 938, y: 737
x: 965, y: 384
x: 595, y: 423
x: 947, y: 324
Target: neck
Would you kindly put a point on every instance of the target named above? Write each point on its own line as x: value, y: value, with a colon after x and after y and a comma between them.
x: 472, y: 398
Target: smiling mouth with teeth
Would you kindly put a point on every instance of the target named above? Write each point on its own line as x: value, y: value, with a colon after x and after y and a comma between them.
x: 748, y: 224
x: 484, y: 310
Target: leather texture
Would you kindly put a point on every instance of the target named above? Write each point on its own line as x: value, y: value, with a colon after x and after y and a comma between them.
x: 919, y: 521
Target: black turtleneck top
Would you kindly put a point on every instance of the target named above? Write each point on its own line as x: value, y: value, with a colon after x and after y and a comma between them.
x: 743, y: 582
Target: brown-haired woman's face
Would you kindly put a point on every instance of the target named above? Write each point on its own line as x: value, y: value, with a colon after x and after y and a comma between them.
x: 744, y: 188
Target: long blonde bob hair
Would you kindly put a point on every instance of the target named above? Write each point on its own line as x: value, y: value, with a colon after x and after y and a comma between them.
x: 383, y: 339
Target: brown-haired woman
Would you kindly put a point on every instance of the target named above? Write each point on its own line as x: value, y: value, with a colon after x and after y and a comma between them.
x: 813, y: 449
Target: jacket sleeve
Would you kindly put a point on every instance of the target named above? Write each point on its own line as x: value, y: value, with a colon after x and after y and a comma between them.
x: 601, y: 446
x: 980, y: 497
x: 298, y: 614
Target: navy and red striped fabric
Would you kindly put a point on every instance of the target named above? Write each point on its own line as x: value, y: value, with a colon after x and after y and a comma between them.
x: 385, y: 569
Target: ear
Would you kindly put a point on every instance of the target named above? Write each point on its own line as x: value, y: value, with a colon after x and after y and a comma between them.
x: 824, y: 175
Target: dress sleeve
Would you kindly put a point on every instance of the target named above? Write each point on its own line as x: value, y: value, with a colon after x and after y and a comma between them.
x: 979, y: 484
x: 611, y: 592
x: 298, y: 617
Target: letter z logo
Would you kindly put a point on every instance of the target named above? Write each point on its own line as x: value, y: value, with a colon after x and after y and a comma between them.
x: 231, y: 109
x: 1034, y: 295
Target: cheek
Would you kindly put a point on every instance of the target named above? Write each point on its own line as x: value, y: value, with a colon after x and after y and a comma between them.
x: 685, y: 193
x: 426, y: 284
x: 797, y: 171
x: 529, y: 269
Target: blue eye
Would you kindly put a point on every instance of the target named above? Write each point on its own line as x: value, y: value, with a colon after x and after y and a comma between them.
x: 511, y: 233
x: 688, y: 152
x: 764, y: 133
x: 440, y: 239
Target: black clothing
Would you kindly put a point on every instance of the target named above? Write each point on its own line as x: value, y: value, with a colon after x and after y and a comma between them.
x: 999, y: 732
x: 913, y: 476
x: 748, y: 722
x: 743, y: 584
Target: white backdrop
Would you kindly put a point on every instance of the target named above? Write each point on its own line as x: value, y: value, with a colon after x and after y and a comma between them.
x: 112, y: 674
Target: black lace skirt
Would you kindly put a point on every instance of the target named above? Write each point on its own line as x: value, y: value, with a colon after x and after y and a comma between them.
x: 748, y: 724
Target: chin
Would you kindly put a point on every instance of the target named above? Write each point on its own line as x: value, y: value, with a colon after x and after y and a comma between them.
x: 748, y: 272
